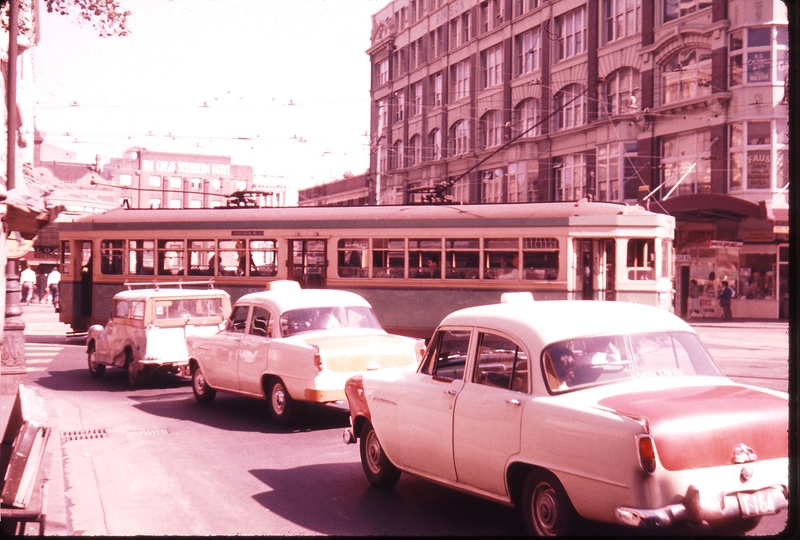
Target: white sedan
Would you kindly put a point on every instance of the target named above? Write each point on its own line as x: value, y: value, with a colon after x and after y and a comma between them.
x: 607, y: 411
x: 288, y: 344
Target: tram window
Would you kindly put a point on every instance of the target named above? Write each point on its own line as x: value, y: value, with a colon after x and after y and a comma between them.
x: 232, y: 258
x: 352, y: 257
x: 263, y: 257
x: 501, y: 258
x: 424, y: 258
x: 202, y: 255
x: 111, y: 256
x: 388, y: 258
x: 66, y: 258
x: 641, y: 258
x: 666, y: 258
x: 141, y: 257
x: 171, y: 258
x: 540, y: 258
x: 462, y: 256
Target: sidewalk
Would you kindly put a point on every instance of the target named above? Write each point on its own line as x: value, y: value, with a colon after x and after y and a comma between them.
x: 41, y: 320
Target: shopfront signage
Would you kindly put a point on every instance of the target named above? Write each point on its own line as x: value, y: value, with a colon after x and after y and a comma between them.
x: 186, y: 167
x: 719, y: 244
x: 683, y: 258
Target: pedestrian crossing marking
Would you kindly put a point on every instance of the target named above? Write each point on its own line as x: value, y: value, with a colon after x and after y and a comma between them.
x: 37, y: 354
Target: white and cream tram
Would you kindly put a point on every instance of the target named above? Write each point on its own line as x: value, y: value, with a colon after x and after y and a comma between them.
x: 414, y: 264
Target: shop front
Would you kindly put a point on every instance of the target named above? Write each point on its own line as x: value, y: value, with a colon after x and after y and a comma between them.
x: 721, y: 239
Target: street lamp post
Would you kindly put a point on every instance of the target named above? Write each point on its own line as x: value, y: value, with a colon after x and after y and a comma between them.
x: 12, y: 370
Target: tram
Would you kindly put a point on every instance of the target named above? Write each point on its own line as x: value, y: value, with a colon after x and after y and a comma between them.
x: 414, y: 264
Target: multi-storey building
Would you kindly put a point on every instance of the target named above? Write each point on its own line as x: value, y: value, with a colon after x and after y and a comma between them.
x: 149, y: 179
x: 676, y: 104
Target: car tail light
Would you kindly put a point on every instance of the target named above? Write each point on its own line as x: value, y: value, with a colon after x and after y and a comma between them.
x: 647, y: 453
x: 318, y: 361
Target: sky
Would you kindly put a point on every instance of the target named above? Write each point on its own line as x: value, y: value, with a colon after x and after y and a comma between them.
x: 282, y: 85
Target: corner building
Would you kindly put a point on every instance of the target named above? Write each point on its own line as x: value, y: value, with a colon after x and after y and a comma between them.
x: 679, y: 105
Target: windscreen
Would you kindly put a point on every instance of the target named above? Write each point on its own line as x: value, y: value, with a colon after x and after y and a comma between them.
x: 301, y: 320
x: 599, y: 359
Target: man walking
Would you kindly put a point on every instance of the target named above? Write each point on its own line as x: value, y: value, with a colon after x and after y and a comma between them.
x: 28, y: 281
x: 725, y: 301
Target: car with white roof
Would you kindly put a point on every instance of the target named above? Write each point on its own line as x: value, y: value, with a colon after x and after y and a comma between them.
x: 289, y: 345
x: 578, y: 410
x: 147, y: 330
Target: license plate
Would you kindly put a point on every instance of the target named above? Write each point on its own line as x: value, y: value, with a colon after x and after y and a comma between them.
x: 760, y: 503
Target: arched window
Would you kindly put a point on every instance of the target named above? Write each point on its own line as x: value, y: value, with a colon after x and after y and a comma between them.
x: 526, y: 118
x: 414, y: 151
x: 491, y: 129
x: 435, y: 144
x: 570, y: 104
x: 460, y: 137
x: 686, y: 75
x: 621, y: 93
x: 398, y: 153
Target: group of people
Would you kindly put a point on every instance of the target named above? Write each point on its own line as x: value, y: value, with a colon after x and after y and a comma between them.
x: 40, y: 288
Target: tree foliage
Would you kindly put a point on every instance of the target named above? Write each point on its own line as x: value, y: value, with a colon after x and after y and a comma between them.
x: 106, y: 16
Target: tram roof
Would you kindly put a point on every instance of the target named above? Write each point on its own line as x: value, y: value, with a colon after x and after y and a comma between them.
x: 360, y: 217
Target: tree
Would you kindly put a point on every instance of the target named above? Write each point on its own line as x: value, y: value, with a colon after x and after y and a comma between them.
x: 106, y: 16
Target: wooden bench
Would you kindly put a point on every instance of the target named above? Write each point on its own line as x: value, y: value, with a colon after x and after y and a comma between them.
x: 24, y: 487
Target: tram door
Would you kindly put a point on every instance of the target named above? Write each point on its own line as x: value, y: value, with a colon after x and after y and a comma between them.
x: 595, y: 269
x: 307, y: 263
x: 84, y: 270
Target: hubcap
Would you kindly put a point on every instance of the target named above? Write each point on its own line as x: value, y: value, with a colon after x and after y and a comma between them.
x: 199, y: 382
x: 373, y: 452
x: 278, y: 398
x: 93, y: 361
x: 546, y: 510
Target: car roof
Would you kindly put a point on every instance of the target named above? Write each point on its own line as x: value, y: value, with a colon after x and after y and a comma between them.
x: 142, y: 294
x: 284, y: 300
x: 556, y: 320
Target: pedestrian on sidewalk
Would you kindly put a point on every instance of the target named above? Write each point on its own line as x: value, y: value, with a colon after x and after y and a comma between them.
x: 725, y: 297
x: 53, y: 279
x: 28, y: 281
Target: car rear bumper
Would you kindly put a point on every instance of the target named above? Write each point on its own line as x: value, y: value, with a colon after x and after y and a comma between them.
x: 695, y: 510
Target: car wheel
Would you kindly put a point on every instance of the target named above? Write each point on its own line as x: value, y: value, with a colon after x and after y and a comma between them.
x: 379, y: 470
x: 203, y: 393
x: 96, y: 369
x: 546, y: 508
x: 281, y: 404
x: 135, y: 376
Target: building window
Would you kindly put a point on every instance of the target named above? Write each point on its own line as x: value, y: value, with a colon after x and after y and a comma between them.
x: 571, y: 33
x: 436, y: 86
x: 400, y: 106
x: 125, y: 180
x: 437, y: 42
x: 435, y: 141
x: 526, y: 118
x: 417, y: 10
x: 154, y: 203
x: 621, y: 18
x: 622, y: 93
x: 175, y: 182
x: 415, y: 103
x: 570, y: 104
x: 195, y: 183
x: 616, y: 172
x: 382, y: 115
x: 465, y: 27
x: 686, y: 75
x: 400, y: 66
x: 570, y: 176
x: 518, y: 182
x: 397, y: 155
x: 460, y: 189
x: 382, y: 72
x: 751, y: 55
x: 415, y: 54
x: 529, y: 51
x: 491, y: 129
x: 524, y: 6
x: 674, y: 9
x: 751, y: 147
x: 195, y: 203
x: 460, y: 77
x: 686, y: 158
x: 216, y: 183
x: 155, y: 181
x: 460, y: 137
x: 493, y: 186
x: 492, y: 66
x: 491, y: 12
x: 414, y: 151
x: 174, y: 203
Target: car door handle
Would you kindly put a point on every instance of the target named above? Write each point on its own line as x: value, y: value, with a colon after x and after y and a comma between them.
x: 204, y: 347
x: 451, y: 392
x: 514, y: 401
